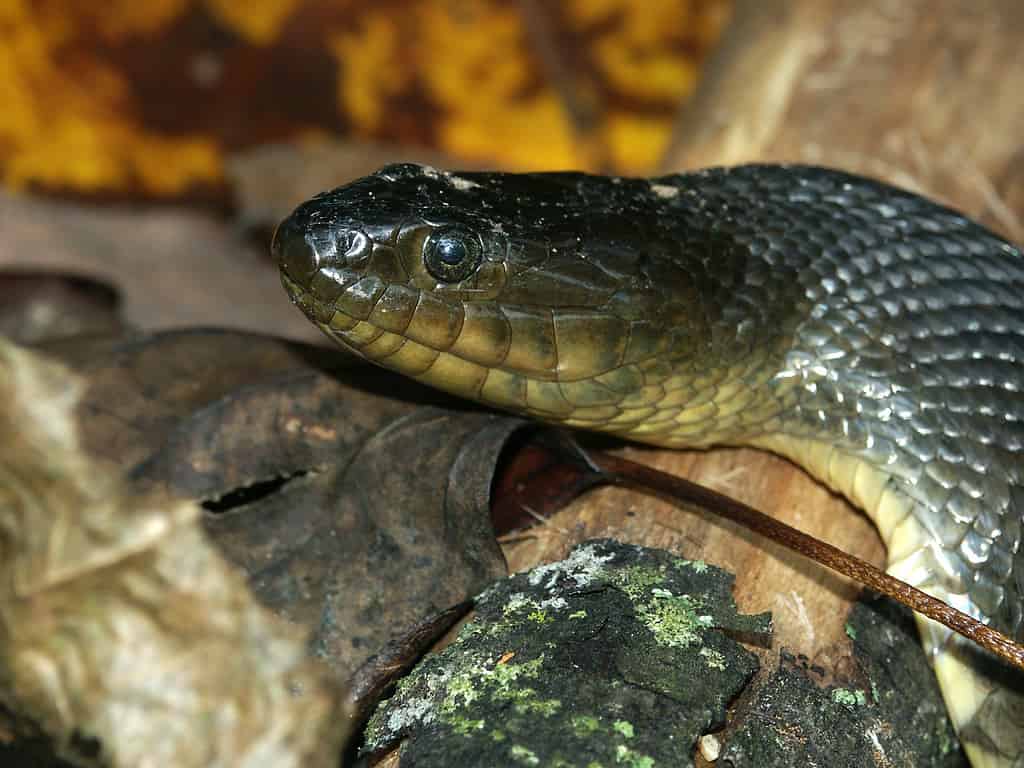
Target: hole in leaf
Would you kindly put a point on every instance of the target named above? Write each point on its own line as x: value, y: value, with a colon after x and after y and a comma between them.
x: 242, y: 497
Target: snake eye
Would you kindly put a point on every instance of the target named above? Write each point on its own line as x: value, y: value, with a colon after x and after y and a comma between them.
x: 452, y: 254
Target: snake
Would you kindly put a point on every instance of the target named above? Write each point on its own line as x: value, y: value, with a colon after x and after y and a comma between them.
x: 869, y: 334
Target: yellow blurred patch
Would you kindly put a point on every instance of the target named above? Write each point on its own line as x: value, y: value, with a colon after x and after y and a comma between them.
x: 91, y: 155
x: 114, y: 19
x: 589, y: 84
x: 637, y: 143
x: 648, y: 74
x: 371, y: 70
x: 648, y: 51
x: 528, y: 136
x: 256, y: 20
x: 496, y: 106
x: 69, y: 126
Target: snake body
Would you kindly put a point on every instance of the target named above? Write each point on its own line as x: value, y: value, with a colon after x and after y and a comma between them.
x: 873, y: 336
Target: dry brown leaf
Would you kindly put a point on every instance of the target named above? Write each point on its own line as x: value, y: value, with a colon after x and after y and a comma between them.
x: 123, y: 634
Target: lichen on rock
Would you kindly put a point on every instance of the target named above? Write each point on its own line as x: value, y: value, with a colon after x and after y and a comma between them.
x: 614, y: 656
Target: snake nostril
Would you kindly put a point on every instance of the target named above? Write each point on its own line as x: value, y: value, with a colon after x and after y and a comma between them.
x: 353, y: 248
x: 294, y: 253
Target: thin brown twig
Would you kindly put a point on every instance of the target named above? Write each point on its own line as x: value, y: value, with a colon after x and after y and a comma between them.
x: 628, y: 472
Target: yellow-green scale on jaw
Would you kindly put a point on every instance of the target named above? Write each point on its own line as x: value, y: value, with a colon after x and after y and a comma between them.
x: 869, y: 335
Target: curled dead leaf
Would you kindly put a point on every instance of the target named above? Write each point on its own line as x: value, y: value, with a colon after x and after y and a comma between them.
x: 124, y: 635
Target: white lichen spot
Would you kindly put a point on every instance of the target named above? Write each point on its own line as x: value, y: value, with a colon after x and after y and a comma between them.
x: 491, y: 592
x: 583, y: 567
x: 714, y: 659
x: 416, y: 711
x: 664, y: 191
x: 516, y: 602
x: 626, y: 756
x: 554, y: 604
x: 710, y: 747
x: 524, y: 756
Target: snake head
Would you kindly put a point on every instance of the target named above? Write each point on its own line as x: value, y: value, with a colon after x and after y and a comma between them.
x: 529, y: 291
x: 376, y: 245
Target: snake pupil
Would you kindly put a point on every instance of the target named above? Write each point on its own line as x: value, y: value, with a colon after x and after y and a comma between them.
x: 450, y: 251
x: 452, y: 255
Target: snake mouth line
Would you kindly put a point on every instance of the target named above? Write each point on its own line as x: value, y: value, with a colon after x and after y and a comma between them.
x: 488, y: 336
x: 503, y: 387
x: 359, y: 335
x: 379, y: 345
x: 627, y: 401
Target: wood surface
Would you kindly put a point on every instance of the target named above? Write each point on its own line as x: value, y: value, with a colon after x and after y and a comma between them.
x: 923, y: 93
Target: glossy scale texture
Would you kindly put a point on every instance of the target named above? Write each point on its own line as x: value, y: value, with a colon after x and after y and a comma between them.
x: 869, y: 334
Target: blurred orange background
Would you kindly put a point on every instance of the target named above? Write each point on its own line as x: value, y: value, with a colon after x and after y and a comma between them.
x: 150, y: 99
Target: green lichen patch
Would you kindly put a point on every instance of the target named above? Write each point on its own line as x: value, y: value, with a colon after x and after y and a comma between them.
x: 638, y: 582
x: 849, y: 698
x: 624, y: 727
x: 891, y: 714
x: 699, y: 566
x: 613, y: 657
x: 713, y: 658
x: 674, y: 620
